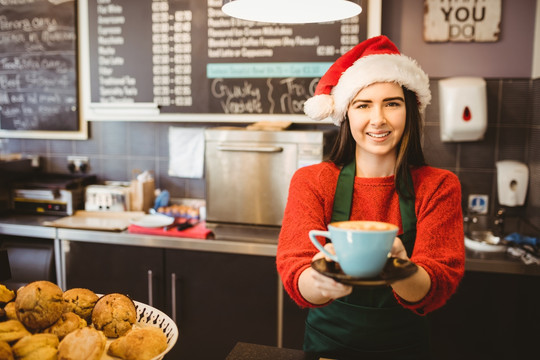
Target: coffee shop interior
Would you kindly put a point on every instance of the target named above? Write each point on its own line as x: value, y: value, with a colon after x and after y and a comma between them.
x: 78, y: 204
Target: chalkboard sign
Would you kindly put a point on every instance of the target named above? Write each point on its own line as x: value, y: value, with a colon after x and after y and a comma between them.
x: 38, y: 70
x: 186, y: 59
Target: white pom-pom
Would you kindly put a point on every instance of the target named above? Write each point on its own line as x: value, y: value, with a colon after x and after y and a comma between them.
x: 319, y: 107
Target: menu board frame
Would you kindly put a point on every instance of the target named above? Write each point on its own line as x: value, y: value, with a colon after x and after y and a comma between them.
x: 44, y: 46
x: 148, y: 111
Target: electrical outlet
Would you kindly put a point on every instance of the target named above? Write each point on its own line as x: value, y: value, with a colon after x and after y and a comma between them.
x: 34, y: 160
x: 478, y: 204
x: 77, y: 164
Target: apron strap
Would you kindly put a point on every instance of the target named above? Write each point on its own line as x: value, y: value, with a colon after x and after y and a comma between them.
x: 344, y: 193
x: 406, y: 204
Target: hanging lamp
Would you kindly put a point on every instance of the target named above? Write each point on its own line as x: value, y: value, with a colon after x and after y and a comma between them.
x: 291, y: 11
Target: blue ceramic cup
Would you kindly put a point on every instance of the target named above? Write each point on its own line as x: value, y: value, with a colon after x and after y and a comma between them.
x: 362, y: 247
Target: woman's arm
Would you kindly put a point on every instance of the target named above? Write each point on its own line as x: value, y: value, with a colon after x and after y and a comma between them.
x: 309, y: 207
x: 414, y: 288
x: 439, y: 249
x: 319, y: 289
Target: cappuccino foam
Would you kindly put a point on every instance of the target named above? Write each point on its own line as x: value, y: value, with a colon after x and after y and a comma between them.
x: 364, y: 225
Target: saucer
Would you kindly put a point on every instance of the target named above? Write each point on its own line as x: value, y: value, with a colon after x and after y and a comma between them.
x: 395, y: 269
x: 153, y: 221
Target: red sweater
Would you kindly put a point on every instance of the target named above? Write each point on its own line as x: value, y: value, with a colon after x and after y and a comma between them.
x: 439, y: 246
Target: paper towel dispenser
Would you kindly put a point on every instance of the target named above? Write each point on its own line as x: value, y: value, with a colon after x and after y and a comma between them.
x: 463, y: 108
x: 512, y: 182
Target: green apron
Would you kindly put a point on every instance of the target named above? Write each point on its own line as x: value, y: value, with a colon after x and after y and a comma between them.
x: 369, y: 323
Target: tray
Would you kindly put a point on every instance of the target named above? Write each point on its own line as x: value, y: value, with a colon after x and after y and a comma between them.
x: 198, y: 231
x: 96, y: 220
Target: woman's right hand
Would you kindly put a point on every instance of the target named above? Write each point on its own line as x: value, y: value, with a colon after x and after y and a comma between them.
x: 319, y: 289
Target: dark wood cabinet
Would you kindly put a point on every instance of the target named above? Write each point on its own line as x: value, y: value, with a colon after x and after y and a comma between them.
x: 106, y: 269
x: 491, y: 316
x: 218, y: 299
x: 26, y: 259
x: 294, y: 319
x: 221, y: 299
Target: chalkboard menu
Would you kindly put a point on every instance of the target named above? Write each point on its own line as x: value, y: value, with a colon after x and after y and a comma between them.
x: 38, y: 69
x: 187, y: 56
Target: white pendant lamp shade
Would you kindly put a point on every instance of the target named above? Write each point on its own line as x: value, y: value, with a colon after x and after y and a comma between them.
x: 291, y: 11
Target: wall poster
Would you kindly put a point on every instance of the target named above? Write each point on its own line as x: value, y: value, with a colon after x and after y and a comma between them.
x: 462, y: 20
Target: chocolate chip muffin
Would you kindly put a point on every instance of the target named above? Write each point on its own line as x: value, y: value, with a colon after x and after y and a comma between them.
x: 39, y: 304
x: 67, y: 323
x: 36, y: 347
x: 139, y: 344
x: 80, y: 301
x: 114, y: 314
x: 86, y: 343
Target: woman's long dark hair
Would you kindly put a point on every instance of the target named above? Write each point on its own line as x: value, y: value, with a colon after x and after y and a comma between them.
x: 409, y: 152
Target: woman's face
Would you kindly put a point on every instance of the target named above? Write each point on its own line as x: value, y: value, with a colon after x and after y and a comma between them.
x: 377, y: 118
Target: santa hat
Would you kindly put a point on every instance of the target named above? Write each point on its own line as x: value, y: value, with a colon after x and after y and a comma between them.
x: 374, y: 60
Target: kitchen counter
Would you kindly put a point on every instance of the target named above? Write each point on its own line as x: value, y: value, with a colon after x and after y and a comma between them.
x: 498, y: 263
x: 30, y: 226
x: 289, y: 319
x: 491, y: 277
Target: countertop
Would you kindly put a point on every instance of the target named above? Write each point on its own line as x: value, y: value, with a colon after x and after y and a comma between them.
x: 31, y: 226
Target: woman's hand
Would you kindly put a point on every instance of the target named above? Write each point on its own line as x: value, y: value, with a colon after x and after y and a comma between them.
x: 319, y: 289
x: 398, y: 250
x: 414, y: 288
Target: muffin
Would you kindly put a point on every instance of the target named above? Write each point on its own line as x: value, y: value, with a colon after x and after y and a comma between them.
x: 81, y: 302
x: 86, y: 343
x: 36, y: 347
x: 139, y: 344
x: 39, y: 304
x: 6, y: 295
x: 114, y: 314
x: 11, y: 312
x: 67, y: 323
x: 12, y: 330
x: 5, y: 351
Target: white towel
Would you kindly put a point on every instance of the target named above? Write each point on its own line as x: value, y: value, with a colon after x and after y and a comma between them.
x: 186, y: 152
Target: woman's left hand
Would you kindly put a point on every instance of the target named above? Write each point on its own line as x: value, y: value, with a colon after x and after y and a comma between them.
x: 398, y: 250
x: 415, y: 287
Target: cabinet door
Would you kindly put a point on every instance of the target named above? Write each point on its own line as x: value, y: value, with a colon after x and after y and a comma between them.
x: 491, y: 316
x: 29, y: 259
x: 221, y: 299
x: 294, y: 323
x: 105, y: 268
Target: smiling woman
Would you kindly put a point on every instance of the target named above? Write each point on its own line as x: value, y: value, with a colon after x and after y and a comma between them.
x: 375, y: 172
x: 377, y: 119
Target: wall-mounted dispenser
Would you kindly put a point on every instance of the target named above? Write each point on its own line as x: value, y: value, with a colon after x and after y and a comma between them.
x: 463, y: 108
x: 512, y: 182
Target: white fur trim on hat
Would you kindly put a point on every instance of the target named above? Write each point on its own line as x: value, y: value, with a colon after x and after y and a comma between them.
x: 371, y: 69
x: 319, y: 107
